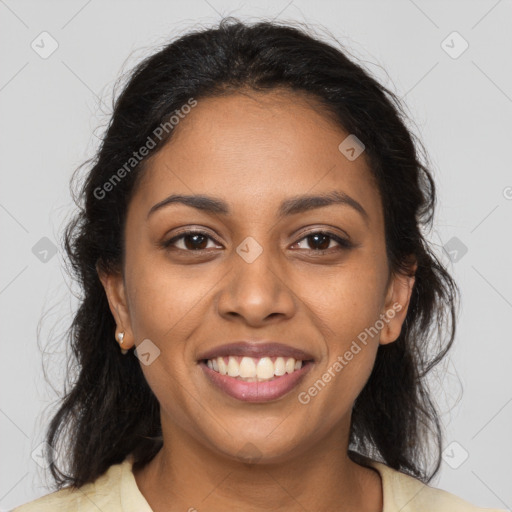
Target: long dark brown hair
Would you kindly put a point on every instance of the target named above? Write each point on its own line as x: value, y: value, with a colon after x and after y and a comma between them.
x: 109, y: 411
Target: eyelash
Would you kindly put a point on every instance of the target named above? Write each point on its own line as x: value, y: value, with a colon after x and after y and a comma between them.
x: 344, y: 244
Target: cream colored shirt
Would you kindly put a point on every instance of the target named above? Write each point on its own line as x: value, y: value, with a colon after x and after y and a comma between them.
x: 116, y: 491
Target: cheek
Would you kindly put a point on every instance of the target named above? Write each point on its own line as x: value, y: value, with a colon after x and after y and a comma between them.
x: 162, y: 296
x: 346, y: 304
x: 347, y: 299
x: 161, y: 310
x: 346, y: 317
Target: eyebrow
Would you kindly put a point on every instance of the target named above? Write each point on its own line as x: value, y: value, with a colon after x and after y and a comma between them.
x: 292, y: 206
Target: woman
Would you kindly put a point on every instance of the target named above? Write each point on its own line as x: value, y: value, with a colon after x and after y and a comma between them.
x: 260, y: 307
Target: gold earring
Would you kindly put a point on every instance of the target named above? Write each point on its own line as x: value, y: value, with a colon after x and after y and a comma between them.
x: 120, y: 337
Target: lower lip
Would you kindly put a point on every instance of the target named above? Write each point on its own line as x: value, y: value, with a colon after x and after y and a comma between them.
x: 256, y: 391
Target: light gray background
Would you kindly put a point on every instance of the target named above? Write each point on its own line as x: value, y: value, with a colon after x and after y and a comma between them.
x: 52, y: 115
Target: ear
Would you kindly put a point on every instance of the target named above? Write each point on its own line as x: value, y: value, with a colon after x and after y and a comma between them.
x: 114, y: 286
x: 396, y: 304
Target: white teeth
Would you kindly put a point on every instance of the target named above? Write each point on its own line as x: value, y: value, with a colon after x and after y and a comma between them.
x: 252, y: 369
x: 290, y: 365
x: 279, y: 367
x: 223, y: 369
x: 247, y: 367
x: 233, y: 367
x: 265, y: 368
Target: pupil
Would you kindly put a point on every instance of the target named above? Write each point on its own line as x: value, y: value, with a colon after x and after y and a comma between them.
x: 323, y: 246
x: 194, y: 245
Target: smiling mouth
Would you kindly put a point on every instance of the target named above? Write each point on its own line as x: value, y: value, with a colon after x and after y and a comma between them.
x: 253, y: 369
x: 256, y: 389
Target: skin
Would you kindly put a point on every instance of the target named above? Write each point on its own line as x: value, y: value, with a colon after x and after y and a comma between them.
x: 254, y: 150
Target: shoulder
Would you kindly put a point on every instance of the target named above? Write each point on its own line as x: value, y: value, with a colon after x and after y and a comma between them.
x: 102, y: 494
x: 408, y: 494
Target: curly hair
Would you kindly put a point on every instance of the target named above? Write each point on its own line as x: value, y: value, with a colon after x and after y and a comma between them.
x: 109, y: 411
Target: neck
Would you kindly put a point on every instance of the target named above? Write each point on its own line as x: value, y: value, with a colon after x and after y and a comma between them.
x: 186, y: 475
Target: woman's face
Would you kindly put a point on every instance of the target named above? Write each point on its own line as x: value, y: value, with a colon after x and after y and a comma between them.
x: 257, y: 273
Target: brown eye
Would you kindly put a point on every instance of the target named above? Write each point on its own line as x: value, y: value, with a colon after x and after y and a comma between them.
x: 192, y: 241
x: 320, y: 241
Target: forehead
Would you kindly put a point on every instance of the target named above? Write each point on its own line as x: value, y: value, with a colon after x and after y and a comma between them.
x: 254, y: 149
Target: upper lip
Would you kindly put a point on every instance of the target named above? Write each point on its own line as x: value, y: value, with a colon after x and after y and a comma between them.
x: 256, y: 350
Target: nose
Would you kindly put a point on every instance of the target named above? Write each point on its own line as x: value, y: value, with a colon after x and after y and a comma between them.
x: 257, y: 290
